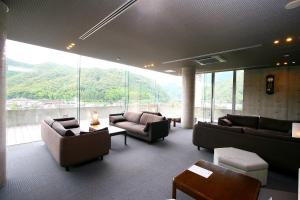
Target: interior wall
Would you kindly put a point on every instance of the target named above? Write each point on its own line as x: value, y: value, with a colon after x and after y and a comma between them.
x: 283, y: 104
x: 3, y: 10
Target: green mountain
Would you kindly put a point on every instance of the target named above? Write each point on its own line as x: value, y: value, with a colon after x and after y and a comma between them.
x: 59, y: 82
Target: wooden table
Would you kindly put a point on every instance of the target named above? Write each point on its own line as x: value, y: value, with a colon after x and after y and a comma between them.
x: 222, y: 184
x: 112, y: 130
x: 174, y: 120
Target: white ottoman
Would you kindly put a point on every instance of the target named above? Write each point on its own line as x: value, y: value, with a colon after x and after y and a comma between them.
x: 242, y: 161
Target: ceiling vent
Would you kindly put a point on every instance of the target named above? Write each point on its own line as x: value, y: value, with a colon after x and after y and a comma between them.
x: 108, y: 19
x: 209, y: 60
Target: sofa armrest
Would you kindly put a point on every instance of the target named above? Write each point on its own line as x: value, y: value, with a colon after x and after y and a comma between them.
x: 111, y: 117
x: 158, y: 129
x: 77, y: 149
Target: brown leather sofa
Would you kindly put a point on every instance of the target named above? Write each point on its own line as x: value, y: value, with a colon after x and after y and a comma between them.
x: 269, y: 138
x: 69, y: 145
x: 146, y: 126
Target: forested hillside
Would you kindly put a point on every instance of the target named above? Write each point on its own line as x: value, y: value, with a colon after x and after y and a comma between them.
x: 58, y: 82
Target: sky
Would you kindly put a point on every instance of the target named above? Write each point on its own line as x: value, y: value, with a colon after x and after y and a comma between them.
x: 33, y: 54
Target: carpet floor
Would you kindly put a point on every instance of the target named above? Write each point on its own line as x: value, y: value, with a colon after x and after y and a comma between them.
x: 138, y: 171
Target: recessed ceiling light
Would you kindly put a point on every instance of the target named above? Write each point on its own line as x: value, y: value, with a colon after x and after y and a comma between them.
x: 289, y: 39
x: 170, y: 71
x: 276, y: 42
x: 292, y: 4
x: 294, y: 62
x: 285, y: 63
x: 278, y: 64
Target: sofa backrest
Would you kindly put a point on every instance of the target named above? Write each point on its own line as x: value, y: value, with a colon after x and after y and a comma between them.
x: 132, y: 117
x: 149, y: 118
x: 240, y: 120
x: 153, y: 113
x: 275, y: 124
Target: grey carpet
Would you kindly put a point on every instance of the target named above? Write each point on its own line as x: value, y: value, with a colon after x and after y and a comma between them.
x: 138, y: 171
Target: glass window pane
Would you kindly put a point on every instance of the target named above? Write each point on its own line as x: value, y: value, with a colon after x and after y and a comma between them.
x: 223, y: 94
x: 239, y: 91
x: 102, y: 88
x: 41, y: 82
x: 203, y: 97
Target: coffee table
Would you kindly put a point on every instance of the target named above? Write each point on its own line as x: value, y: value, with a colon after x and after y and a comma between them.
x: 222, y: 184
x: 112, y: 130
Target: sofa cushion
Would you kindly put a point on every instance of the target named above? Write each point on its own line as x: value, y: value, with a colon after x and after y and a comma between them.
x: 224, y: 122
x: 239, y: 120
x: 124, y: 124
x: 275, y: 124
x: 116, y: 119
x: 49, y: 121
x: 64, y: 119
x: 69, y: 124
x: 265, y: 132
x: 132, y: 116
x: 149, y: 118
x: 61, y: 130
x: 225, y: 128
x: 153, y: 113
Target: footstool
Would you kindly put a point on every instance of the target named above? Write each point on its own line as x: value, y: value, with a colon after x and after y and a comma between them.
x: 242, y: 161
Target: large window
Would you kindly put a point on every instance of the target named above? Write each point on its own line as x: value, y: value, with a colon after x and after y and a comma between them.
x: 44, y: 82
x: 223, y: 94
x: 203, y: 97
x: 218, y: 94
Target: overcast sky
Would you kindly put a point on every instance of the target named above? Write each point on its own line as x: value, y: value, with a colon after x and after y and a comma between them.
x: 35, y: 55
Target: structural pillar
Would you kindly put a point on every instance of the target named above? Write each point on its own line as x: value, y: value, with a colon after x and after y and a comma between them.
x: 3, y: 14
x: 188, y: 97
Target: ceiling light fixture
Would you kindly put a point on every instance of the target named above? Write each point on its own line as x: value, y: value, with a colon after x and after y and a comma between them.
x: 285, y: 63
x: 278, y: 64
x: 289, y: 39
x: 108, y: 19
x: 292, y: 4
x: 70, y: 46
x: 276, y: 42
x: 294, y: 62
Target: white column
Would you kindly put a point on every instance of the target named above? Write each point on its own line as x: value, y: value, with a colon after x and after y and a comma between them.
x: 188, y: 97
x: 3, y: 11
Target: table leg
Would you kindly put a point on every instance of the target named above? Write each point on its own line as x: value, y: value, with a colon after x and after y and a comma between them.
x: 174, y: 191
x: 125, y: 139
x: 174, y: 123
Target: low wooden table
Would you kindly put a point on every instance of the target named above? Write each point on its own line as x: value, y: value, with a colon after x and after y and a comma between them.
x: 174, y: 120
x: 222, y: 184
x: 112, y: 130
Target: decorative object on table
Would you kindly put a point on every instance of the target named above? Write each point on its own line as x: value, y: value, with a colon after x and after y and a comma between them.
x: 270, y: 84
x: 95, y: 118
x: 296, y: 130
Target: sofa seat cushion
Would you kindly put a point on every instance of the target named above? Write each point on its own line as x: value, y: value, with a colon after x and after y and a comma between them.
x: 149, y: 118
x: 275, y: 124
x: 239, y: 120
x: 132, y: 127
x: 132, y: 116
x: 61, y: 130
x: 225, y: 128
x: 76, y: 131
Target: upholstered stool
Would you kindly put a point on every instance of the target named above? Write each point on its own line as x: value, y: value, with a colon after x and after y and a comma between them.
x: 242, y: 161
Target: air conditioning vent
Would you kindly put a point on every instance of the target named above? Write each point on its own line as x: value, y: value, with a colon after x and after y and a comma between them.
x: 209, y: 60
x: 108, y: 19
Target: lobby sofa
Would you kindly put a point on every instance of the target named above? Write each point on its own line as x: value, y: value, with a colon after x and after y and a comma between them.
x: 146, y: 126
x: 269, y: 138
x: 69, y: 145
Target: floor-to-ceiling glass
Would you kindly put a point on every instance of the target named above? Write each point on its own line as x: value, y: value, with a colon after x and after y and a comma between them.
x: 102, y: 88
x: 41, y: 82
x: 203, y: 97
x: 223, y: 90
x: 239, y: 91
